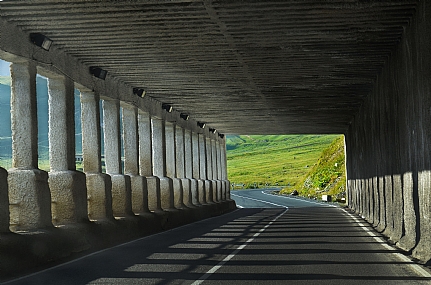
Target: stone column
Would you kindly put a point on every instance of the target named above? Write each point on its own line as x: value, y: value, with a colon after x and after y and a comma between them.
x: 184, y: 184
x: 68, y: 189
x: 195, y: 170
x: 224, y: 169
x: 99, y: 185
x: 218, y: 173
x: 121, y: 187
x: 29, y: 195
x: 4, y: 202
x: 202, y: 186
x: 170, y: 140
x: 214, y: 170
x: 131, y: 165
x: 159, y: 163
x: 189, y: 188
x: 152, y: 194
x: 209, y: 183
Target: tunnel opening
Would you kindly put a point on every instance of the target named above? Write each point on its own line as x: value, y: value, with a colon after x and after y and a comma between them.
x: 311, y: 166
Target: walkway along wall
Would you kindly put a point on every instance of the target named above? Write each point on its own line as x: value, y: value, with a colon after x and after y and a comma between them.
x: 388, y: 145
x: 173, y: 173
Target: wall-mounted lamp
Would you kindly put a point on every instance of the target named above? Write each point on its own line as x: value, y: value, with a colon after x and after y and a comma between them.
x: 98, y: 72
x: 168, y: 108
x: 139, y: 91
x: 201, y: 125
x: 213, y: 130
x: 41, y: 40
x: 184, y: 116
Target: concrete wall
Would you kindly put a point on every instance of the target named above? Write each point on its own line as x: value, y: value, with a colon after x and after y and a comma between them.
x: 388, y: 144
x: 65, y: 212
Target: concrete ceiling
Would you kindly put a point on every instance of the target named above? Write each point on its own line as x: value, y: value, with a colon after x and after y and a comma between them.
x: 243, y: 67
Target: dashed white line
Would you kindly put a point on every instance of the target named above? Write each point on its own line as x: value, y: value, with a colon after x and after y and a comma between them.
x: 235, y: 252
x: 262, y: 201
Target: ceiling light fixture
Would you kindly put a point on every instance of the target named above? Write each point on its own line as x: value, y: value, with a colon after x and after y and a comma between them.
x: 201, y: 125
x: 184, y: 116
x: 212, y: 130
x: 41, y: 40
x: 139, y: 91
x: 221, y: 135
x: 98, y: 72
x: 167, y: 107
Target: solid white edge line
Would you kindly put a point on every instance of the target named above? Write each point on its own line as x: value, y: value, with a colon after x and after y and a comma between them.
x: 235, y: 252
x: 415, y: 267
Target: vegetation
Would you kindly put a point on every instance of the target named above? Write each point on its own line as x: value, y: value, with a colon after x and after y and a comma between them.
x: 327, y: 176
x: 284, y: 160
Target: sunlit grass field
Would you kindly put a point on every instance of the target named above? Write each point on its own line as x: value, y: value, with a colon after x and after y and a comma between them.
x: 281, y: 160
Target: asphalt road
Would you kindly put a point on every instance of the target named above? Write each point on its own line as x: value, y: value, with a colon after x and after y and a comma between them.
x: 282, y: 241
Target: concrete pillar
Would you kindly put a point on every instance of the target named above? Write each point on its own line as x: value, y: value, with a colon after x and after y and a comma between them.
x: 171, y: 165
x: 29, y: 195
x: 152, y: 194
x: 202, y: 186
x: 214, y: 170
x: 139, y: 193
x: 195, y: 170
x: 224, y: 169
x: 68, y: 188
x: 121, y: 187
x: 189, y: 188
x: 159, y: 163
x: 408, y: 241
x: 423, y: 248
x: 219, y: 179
x: 99, y: 185
x: 4, y: 202
x: 180, y: 156
x: 209, y: 185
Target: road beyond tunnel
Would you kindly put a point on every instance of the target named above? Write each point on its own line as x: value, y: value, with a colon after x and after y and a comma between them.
x: 285, y: 241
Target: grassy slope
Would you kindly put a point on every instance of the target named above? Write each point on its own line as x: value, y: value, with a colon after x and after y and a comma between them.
x: 328, y: 175
x: 276, y: 160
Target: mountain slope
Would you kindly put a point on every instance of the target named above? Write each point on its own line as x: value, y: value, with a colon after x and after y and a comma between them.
x: 257, y: 161
x: 328, y: 175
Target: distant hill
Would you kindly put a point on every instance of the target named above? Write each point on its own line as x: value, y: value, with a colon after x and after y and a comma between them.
x: 328, y: 175
x: 281, y: 160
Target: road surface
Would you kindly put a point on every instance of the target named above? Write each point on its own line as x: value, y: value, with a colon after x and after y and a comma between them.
x: 279, y: 240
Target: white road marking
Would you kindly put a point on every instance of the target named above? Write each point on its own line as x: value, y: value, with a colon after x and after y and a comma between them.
x: 235, y: 252
x: 262, y: 201
x: 415, y: 267
x: 308, y: 201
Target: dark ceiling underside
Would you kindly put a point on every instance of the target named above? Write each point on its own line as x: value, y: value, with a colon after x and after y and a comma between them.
x: 244, y: 67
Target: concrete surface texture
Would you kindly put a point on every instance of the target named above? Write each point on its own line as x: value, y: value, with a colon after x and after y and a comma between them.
x: 388, y: 145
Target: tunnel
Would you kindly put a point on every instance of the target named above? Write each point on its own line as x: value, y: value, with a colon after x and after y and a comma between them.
x: 159, y: 85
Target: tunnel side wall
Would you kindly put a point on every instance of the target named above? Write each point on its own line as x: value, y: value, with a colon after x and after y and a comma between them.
x: 388, y: 144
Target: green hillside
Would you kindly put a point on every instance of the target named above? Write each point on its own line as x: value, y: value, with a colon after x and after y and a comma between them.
x: 327, y: 176
x: 281, y: 160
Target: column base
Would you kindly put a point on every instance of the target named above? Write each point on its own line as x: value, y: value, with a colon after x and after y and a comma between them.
x: 121, y: 195
x: 219, y: 191
x: 202, y: 192
x: 187, y: 192
x: 68, y: 197
x: 194, y: 190
x: 4, y: 202
x: 178, y: 193
x: 153, y: 188
x: 139, y: 194
x: 166, y: 193
x: 99, y: 187
x: 29, y: 199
